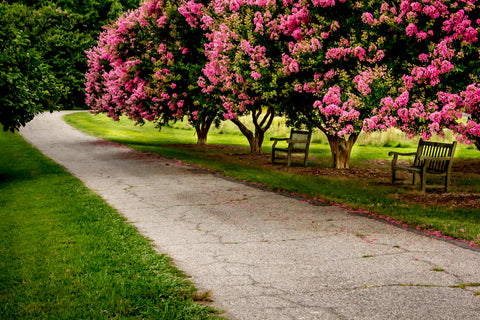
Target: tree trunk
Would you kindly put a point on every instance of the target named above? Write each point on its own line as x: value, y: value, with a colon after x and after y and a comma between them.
x: 476, y: 141
x: 201, y: 136
x: 255, y: 144
x: 341, y: 149
x: 202, y: 131
x: 255, y: 139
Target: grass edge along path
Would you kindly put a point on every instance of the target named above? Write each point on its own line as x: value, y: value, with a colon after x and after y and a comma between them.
x: 66, y: 254
x: 374, y: 201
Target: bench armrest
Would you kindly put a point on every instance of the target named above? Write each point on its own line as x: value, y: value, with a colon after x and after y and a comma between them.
x: 394, y: 153
x: 276, y: 141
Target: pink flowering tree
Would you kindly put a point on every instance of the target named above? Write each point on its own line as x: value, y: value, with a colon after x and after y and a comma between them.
x: 318, y: 62
x: 243, y: 63
x: 292, y: 57
x: 146, y: 66
x: 434, y: 55
x: 332, y: 67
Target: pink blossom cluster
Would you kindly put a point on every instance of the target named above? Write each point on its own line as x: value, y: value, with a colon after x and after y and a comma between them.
x: 134, y: 69
x: 364, y: 80
x: 218, y: 69
x: 341, y: 118
x: 470, y: 129
x: 451, y: 38
x: 192, y: 11
x: 471, y: 98
x: 292, y: 23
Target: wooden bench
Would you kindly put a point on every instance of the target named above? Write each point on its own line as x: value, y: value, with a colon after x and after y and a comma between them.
x: 298, y: 143
x: 431, y: 158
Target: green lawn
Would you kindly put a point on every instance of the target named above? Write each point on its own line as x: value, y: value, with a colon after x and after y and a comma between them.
x: 363, y: 195
x: 66, y: 254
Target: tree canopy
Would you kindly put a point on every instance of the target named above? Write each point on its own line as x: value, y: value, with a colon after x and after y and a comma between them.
x: 42, y: 54
x: 146, y: 66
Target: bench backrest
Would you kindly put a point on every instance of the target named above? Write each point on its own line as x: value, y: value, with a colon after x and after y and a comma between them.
x: 298, y: 135
x: 435, y: 150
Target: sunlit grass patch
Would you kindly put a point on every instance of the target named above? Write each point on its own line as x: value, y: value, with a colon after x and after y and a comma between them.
x: 66, y: 254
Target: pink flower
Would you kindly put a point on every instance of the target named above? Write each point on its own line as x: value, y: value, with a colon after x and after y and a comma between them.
x: 423, y: 57
x: 360, y: 53
x: 255, y: 75
x: 297, y: 34
x: 367, y: 17
x: 411, y: 29
x: 323, y: 3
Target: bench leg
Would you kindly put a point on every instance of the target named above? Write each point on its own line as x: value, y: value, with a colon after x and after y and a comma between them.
x: 447, y: 182
x: 423, y: 179
x: 289, y: 159
x: 424, y: 182
x: 273, y: 156
x: 393, y: 176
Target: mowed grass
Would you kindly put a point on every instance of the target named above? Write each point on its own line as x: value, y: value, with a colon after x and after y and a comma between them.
x: 364, y: 195
x: 66, y: 254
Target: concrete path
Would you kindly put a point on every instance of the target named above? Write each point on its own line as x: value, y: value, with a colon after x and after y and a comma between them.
x: 265, y: 255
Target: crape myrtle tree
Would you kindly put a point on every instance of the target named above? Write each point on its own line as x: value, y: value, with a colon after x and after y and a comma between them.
x: 332, y: 63
x: 310, y: 60
x: 243, y: 63
x: 146, y: 66
x: 434, y: 54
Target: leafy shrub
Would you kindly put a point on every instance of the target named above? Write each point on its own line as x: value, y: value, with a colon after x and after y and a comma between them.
x: 26, y: 81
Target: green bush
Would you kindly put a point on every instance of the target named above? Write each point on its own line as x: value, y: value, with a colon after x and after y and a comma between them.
x: 42, y: 59
x: 27, y: 83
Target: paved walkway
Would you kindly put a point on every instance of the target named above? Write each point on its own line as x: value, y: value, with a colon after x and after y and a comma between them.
x: 264, y: 255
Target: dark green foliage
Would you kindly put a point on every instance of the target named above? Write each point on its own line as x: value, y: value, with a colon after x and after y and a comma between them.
x: 95, y: 12
x: 27, y: 83
x: 42, y: 59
